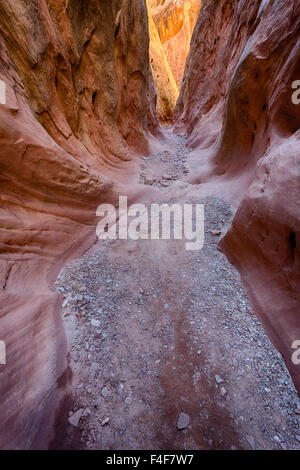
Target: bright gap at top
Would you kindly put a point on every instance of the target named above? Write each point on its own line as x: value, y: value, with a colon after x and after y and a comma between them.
x: 171, y: 25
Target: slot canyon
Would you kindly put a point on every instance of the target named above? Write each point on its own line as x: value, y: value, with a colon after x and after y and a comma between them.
x: 135, y: 344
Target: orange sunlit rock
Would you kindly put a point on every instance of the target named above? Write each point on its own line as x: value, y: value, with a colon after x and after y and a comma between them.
x: 175, y: 21
x: 166, y: 88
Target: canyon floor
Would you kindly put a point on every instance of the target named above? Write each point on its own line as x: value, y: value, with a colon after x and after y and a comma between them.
x: 155, y: 331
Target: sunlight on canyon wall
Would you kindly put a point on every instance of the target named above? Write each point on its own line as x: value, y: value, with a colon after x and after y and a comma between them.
x: 166, y: 88
x: 175, y: 21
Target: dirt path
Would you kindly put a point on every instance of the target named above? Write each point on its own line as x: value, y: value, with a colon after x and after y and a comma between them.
x: 155, y: 330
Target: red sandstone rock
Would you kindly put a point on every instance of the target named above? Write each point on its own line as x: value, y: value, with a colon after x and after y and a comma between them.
x: 80, y: 102
x: 236, y: 106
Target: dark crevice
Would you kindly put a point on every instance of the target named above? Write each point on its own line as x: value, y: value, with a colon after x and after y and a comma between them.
x: 7, y: 277
x: 292, y: 240
x: 117, y: 30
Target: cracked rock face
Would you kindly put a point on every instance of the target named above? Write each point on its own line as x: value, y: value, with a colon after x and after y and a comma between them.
x: 79, y: 102
x: 236, y: 106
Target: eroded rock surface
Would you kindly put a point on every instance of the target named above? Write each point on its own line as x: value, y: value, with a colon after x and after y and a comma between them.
x: 175, y: 21
x: 236, y: 106
x: 166, y: 88
x: 79, y: 104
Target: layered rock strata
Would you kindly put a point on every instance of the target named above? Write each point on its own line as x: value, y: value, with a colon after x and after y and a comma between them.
x: 236, y: 105
x: 79, y: 103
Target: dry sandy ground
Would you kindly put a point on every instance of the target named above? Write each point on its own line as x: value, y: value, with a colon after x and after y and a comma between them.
x: 155, y: 330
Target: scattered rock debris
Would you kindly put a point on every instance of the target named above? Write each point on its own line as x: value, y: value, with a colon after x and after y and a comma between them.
x: 154, y: 329
x: 164, y: 168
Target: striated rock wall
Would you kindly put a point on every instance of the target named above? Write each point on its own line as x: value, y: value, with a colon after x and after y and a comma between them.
x: 236, y: 105
x: 166, y: 88
x: 80, y: 101
x: 175, y: 21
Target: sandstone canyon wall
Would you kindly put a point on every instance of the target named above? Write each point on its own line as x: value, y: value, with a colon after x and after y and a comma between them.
x: 166, y: 88
x: 80, y: 101
x: 175, y: 21
x: 236, y: 105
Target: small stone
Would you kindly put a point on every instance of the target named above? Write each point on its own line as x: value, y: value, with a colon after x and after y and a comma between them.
x: 251, y: 441
x: 297, y: 411
x: 183, y: 421
x: 199, y: 352
x: 105, y: 421
x: 277, y: 439
x: 215, y: 233
x: 128, y: 400
x: 223, y: 391
x: 298, y: 438
x: 95, y: 323
x: 219, y: 379
x: 105, y: 392
x: 267, y: 390
x: 87, y: 412
x: 75, y: 418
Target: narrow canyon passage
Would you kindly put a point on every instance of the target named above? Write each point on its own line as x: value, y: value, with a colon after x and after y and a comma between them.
x: 123, y: 344
x: 155, y: 331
